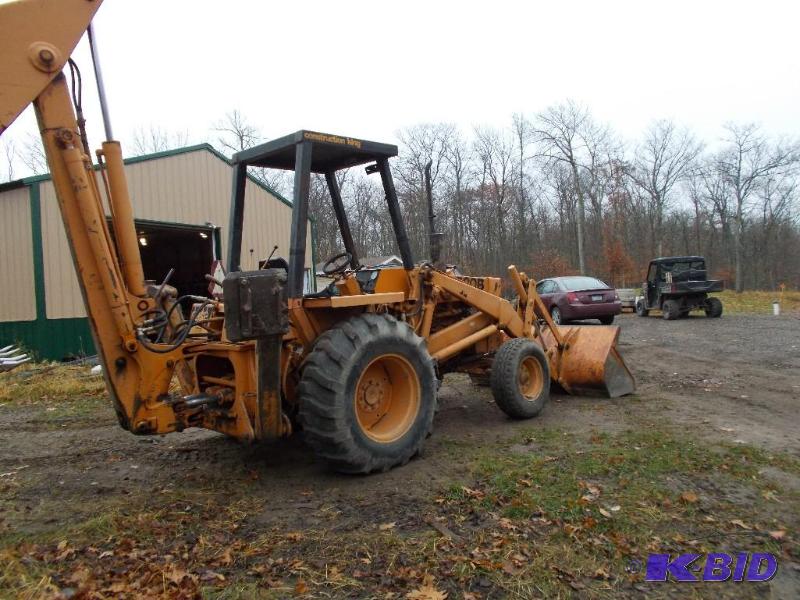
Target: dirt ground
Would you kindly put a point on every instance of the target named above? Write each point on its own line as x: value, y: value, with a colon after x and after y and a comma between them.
x: 727, y: 382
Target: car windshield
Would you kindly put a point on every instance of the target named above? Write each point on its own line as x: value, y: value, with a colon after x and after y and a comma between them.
x: 574, y: 284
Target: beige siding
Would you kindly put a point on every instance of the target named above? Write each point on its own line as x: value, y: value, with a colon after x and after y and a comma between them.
x: 192, y: 189
x: 16, y: 257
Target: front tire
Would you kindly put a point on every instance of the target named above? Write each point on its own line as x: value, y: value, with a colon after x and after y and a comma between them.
x: 367, y: 394
x: 607, y: 320
x: 555, y: 314
x: 713, y: 308
x: 641, y: 309
x: 520, y: 378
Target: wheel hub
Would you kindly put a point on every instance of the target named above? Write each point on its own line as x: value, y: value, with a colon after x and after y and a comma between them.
x: 372, y: 394
x: 387, y: 398
x: 531, y: 378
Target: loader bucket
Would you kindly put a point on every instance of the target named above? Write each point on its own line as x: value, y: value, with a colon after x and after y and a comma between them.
x: 590, y: 364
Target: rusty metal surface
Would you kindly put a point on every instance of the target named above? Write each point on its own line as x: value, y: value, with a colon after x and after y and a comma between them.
x: 590, y: 362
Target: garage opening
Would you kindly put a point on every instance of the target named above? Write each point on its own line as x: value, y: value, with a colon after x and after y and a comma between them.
x: 190, y: 250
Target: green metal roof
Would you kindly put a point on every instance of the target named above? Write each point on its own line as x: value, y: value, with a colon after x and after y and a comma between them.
x: 27, y: 181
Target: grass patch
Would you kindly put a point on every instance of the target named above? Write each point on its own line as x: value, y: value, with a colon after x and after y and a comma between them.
x: 50, y: 382
x: 550, y: 514
x: 759, y: 302
x: 597, y: 501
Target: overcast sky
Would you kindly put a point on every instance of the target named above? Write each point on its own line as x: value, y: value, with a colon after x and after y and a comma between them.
x: 366, y: 69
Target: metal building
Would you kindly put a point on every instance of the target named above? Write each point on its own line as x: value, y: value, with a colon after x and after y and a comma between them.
x: 181, y: 202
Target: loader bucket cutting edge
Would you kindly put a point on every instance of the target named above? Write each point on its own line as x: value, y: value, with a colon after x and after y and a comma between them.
x: 590, y: 363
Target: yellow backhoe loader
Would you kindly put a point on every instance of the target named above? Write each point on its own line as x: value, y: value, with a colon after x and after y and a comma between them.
x: 356, y: 366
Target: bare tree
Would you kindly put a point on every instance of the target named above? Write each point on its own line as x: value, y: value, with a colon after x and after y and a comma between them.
x: 747, y: 162
x: 30, y: 154
x: 567, y: 133
x: 9, y: 158
x: 457, y: 178
x: 661, y: 161
x: 421, y: 144
x: 236, y: 133
x: 496, y: 152
x: 156, y: 139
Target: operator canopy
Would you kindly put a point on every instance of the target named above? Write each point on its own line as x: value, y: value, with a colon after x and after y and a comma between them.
x: 330, y: 152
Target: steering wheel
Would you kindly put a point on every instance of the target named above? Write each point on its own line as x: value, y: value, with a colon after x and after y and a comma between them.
x: 337, y: 264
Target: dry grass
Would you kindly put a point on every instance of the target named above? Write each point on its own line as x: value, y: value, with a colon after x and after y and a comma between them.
x: 760, y: 302
x: 50, y: 382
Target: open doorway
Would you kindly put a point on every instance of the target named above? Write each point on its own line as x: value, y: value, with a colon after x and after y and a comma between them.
x: 190, y: 250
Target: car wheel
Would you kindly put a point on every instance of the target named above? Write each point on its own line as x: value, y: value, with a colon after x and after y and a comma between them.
x: 555, y: 313
x: 640, y: 309
x: 607, y: 320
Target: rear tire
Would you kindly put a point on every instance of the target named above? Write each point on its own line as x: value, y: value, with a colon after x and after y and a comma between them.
x: 520, y: 378
x: 713, y: 308
x: 608, y: 320
x: 555, y: 314
x: 641, y: 310
x: 367, y: 394
x: 671, y: 310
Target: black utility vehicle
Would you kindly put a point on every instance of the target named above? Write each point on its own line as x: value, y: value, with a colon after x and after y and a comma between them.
x: 677, y: 285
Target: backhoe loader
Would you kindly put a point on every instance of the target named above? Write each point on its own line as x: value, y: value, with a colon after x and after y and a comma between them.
x: 356, y: 367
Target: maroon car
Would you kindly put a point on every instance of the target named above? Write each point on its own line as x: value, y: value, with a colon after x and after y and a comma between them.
x: 578, y: 297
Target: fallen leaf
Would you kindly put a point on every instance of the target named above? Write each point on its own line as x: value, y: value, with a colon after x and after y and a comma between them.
x: 510, y: 568
x: 605, y: 513
x: 226, y: 558
x: 176, y: 576
x: 506, y: 523
x: 601, y: 573
x: 777, y: 535
x: 689, y: 497
x: 300, y: 587
x: 294, y: 536
x: 387, y: 526
x: 426, y: 592
x: 577, y: 585
x: 472, y: 493
x: 741, y: 524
